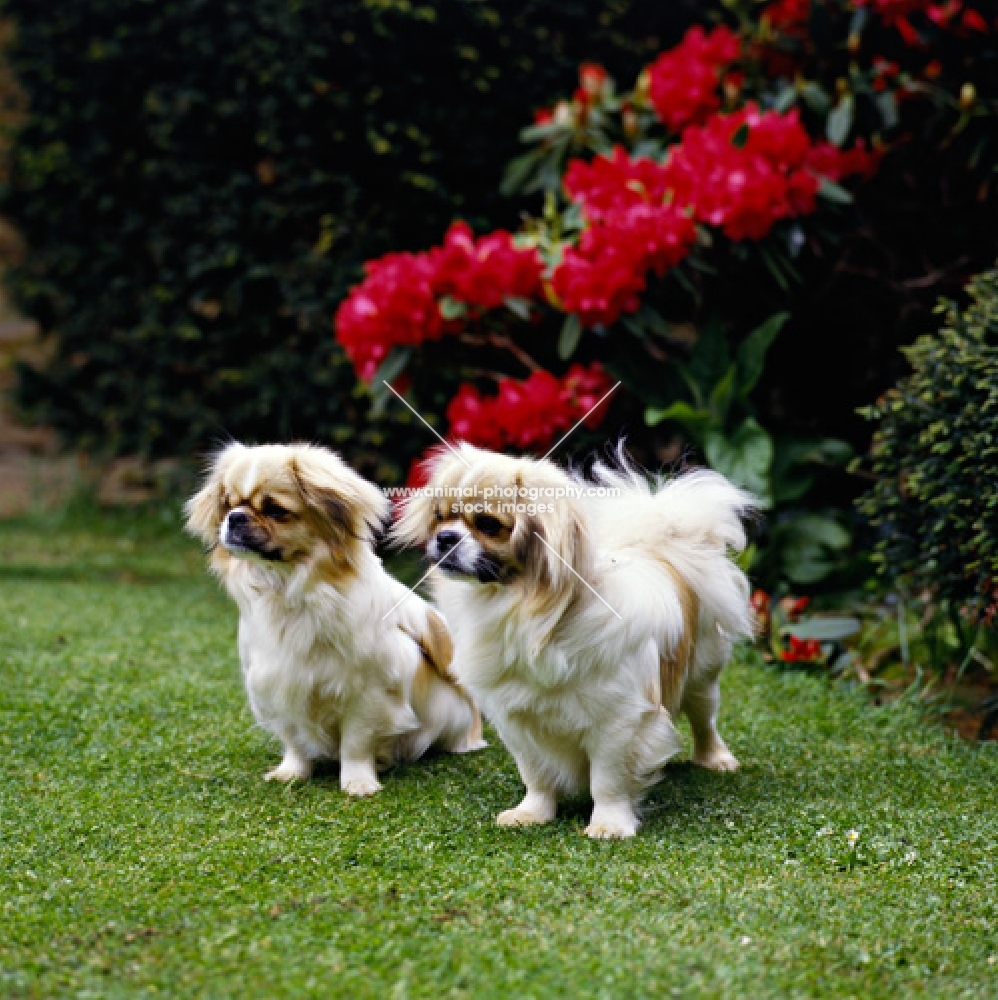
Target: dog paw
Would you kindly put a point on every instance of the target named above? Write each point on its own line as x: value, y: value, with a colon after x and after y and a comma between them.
x: 361, y: 787
x: 717, y: 760
x: 615, y: 824
x: 527, y: 814
x: 286, y: 772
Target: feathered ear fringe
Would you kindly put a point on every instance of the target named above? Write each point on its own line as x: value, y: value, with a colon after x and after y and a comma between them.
x: 417, y: 513
x: 556, y: 552
x: 347, y: 505
x: 204, y: 511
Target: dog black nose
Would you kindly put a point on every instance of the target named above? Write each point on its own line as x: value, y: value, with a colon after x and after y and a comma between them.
x: 238, y: 519
x: 446, y: 540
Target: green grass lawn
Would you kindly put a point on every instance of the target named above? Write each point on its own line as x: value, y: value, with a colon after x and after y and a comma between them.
x: 142, y: 853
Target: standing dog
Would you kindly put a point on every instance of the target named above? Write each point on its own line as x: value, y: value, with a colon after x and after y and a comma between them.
x: 584, y: 624
x: 340, y: 660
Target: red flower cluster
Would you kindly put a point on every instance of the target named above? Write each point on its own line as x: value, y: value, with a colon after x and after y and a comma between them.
x: 530, y: 413
x: 398, y: 303
x: 801, y: 650
x: 484, y: 273
x: 683, y: 83
x: 633, y: 228
x: 745, y: 171
x: 395, y: 305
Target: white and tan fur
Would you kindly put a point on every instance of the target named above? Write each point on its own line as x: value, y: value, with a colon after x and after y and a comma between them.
x: 340, y: 661
x: 584, y: 699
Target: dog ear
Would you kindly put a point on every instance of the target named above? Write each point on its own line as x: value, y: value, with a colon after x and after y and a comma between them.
x: 205, y: 511
x: 346, y: 504
x: 417, y: 513
x: 554, y: 550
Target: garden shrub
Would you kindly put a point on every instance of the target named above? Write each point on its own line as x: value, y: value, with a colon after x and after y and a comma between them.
x: 935, y: 452
x: 199, y: 182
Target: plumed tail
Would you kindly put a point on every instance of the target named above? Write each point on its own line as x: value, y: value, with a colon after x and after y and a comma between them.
x: 694, y: 523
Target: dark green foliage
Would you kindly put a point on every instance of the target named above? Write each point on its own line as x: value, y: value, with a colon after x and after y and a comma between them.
x: 935, y: 453
x: 199, y: 182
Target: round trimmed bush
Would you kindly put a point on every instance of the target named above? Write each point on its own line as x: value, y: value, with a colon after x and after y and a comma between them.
x: 935, y: 453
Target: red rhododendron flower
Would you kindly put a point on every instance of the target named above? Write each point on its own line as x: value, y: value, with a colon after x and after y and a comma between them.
x: 396, y: 304
x: 472, y: 418
x: 633, y: 227
x: 487, y: 271
x: 760, y: 602
x: 592, y: 77
x: 584, y: 388
x: 530, y: 413
x: 745, y: 171
x: 683, y: 82
x: 614, y: 182
x: 801, y: 650
x: 600, y: 278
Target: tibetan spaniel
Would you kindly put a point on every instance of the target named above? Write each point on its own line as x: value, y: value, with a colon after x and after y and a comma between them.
x: 586, y: 614
x: 340, y: 660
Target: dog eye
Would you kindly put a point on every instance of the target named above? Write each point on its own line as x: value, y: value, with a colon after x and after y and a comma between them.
x: 487, y: 525
x: 273, y: 510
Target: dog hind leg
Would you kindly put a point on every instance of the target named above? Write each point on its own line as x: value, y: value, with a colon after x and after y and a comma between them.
x: 700, y: 703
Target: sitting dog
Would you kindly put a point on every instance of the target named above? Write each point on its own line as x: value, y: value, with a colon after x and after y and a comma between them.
x: 584, y: 624
x: 339, y: 659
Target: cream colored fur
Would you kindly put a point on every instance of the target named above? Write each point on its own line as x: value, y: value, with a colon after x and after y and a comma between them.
x: 339, y: 660
x: 582, y: 698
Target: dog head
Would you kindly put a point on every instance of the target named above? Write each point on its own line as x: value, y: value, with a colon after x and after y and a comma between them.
x: 284, y: 505
x: 499, y: 520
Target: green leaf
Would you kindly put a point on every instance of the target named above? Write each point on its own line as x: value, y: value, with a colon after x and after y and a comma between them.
x: 751, y: 357
x: 388, y: 371
x: 823, y: 530
x: 721, y: 395
x: 831, y: 191
x: 830, y: 628
x: 816, y: 98
x: 653, y: 320
x: 769, y: 259
x: 518, y: 307
x: 452, y: 309
x: 745, y: 457
x: 785, y: 99
x: 518, y: 172
x: 887, y: 105
x: 693, y: 420
x: 571, y: 331
x: 839, y: 123
x: 710, y: 359
x: 740, y: 137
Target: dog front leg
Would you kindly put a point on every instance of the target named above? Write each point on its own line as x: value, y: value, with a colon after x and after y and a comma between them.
x: 358, y: 774
x: 539, y: 805
x: 294, y: 767
x: 613, y: 815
